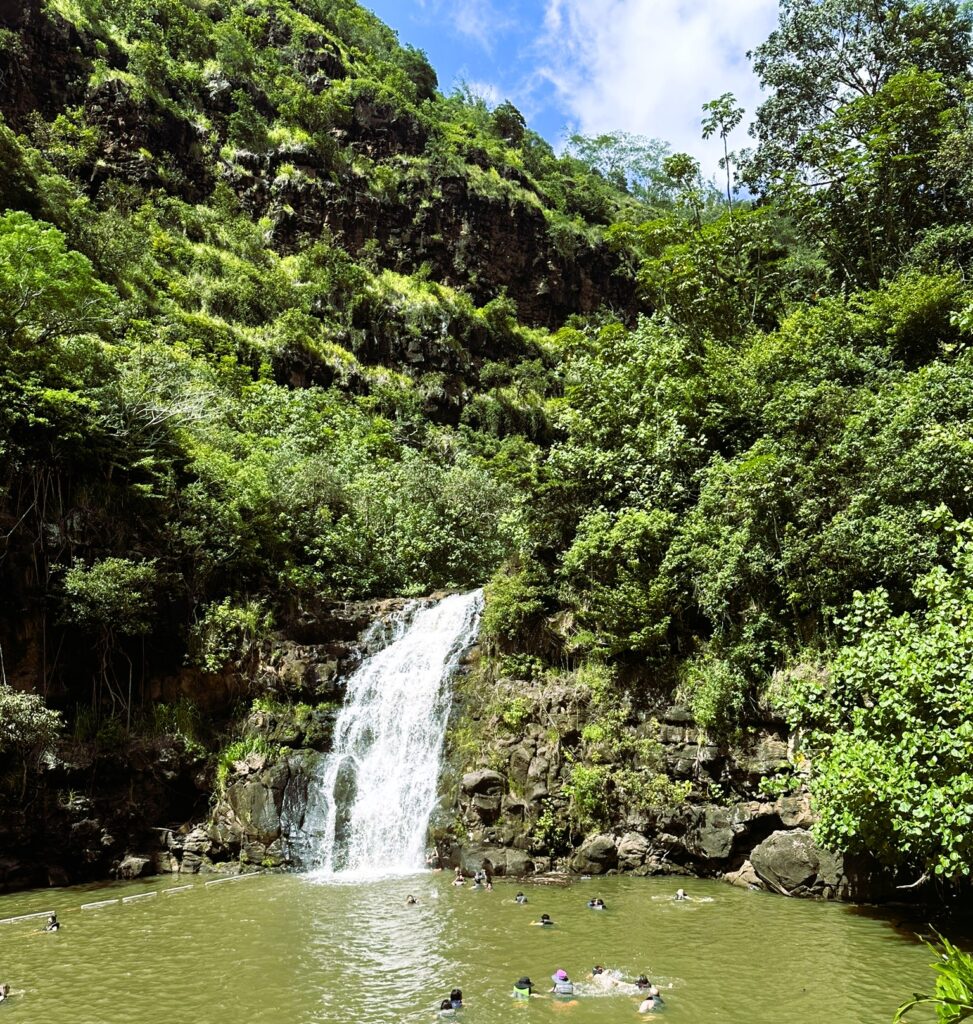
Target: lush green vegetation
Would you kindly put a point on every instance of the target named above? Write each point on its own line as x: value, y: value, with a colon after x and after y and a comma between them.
x: 218, y: 405
x: 953, y: 998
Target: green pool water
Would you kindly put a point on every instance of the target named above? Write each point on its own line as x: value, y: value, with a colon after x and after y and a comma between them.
x: 292, y: 950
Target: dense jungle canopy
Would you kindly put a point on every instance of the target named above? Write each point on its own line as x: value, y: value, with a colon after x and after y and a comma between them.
x: 281, y: 322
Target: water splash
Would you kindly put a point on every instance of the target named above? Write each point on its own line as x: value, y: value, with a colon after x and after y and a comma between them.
x: 368, y: 812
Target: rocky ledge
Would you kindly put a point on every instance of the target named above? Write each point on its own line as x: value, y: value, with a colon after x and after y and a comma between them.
x: 726, y: 827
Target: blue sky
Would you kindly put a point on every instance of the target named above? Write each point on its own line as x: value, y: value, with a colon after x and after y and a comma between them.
x: 642, y: 66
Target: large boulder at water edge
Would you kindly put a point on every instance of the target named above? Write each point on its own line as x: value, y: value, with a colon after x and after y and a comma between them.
x: 633, y: 850
x: 792, y: 863
x: 596, y: 856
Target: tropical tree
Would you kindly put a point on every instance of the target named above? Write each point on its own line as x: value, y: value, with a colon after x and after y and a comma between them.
x: 723, y: 115
x: 825, y: 54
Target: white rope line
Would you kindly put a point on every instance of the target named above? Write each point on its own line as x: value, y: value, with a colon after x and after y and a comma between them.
x: 98, y: 904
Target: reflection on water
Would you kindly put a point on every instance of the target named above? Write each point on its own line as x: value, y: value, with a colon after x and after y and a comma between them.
x: 290, y: 950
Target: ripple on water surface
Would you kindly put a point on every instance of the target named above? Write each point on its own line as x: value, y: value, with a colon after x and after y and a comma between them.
x: 302, y: 950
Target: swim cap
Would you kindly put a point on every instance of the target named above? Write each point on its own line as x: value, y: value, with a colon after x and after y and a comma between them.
x: 525, y: 983
x: 561, y: 975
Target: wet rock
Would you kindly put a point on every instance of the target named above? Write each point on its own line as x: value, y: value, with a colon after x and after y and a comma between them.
x: 135, y: 867
x: 518, y: 862
x: 714, y: 838
x: 792, y: 864
x: 633, y: 849
x: 257, y: 803
x: 486, y: 807
x: 744, y: 877
x: 596, y: 856
x: 520, y: 761
x: 484, y: 782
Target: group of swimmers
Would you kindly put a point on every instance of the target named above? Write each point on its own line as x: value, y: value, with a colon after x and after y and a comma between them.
x: 562, y: 988
x: 481, y: 880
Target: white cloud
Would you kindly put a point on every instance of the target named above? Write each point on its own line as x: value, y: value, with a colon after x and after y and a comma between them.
x: 476, y: 19
x: 647, y: 66
x: 487, y: 91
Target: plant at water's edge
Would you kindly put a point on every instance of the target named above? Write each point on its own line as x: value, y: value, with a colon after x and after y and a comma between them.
x: 239, y: 750
x: 953, y: 998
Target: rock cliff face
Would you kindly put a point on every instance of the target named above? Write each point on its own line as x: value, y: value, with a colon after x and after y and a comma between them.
x: 114, y: 806
x: 96, y: 812
x: 466, y: 238
x: 727, y: 827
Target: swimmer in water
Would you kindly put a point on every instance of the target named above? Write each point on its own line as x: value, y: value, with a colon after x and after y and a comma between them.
x: 563, y: 985
x: 4, y: 992
x: 520, y: 898
x: 597, y: 904
x: 52, y: 924
x: 523, y: 988
x: 544, y: 922
x: 410, y: 901
x: 650, y: 1004
x: 456, y: 999
x: 446, y: 1010
x: 681, y: 894
x: 602, y: 978
x: 646, y: 988
x: 458, y: 878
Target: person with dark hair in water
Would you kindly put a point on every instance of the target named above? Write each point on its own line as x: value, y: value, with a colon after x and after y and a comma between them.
x: 456, y: 999
x: 52, y: 924
x: 520, y: 898
x: 544, y: 922
x: 681, y: 894
x: 597, y: 904
x: 410, y: 901
x: 604, y: 979
x: 4, y: 992
x: 651, y: 999
x: 446, y: 1010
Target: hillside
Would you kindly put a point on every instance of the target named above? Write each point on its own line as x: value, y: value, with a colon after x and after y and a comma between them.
x: 281, y: 325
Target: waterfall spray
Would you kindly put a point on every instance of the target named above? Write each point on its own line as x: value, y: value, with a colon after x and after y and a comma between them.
x: 368, y: 812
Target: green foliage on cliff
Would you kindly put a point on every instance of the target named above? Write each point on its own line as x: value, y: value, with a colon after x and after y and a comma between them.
x: 281, y: 323
x: 893, y: 737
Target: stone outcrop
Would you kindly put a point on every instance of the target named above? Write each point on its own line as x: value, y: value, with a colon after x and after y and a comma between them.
x: 746, y: 837
x: 94, y: 812
x: 791, y: 863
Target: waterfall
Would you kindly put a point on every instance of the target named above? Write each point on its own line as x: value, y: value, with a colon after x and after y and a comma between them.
x: 368, y: 810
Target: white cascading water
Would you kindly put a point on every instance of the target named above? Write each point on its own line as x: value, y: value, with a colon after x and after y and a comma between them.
x: 369, y: 811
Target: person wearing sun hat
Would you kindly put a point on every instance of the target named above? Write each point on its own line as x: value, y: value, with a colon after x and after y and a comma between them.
x: 562, y: 983
x: 524, y: 988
